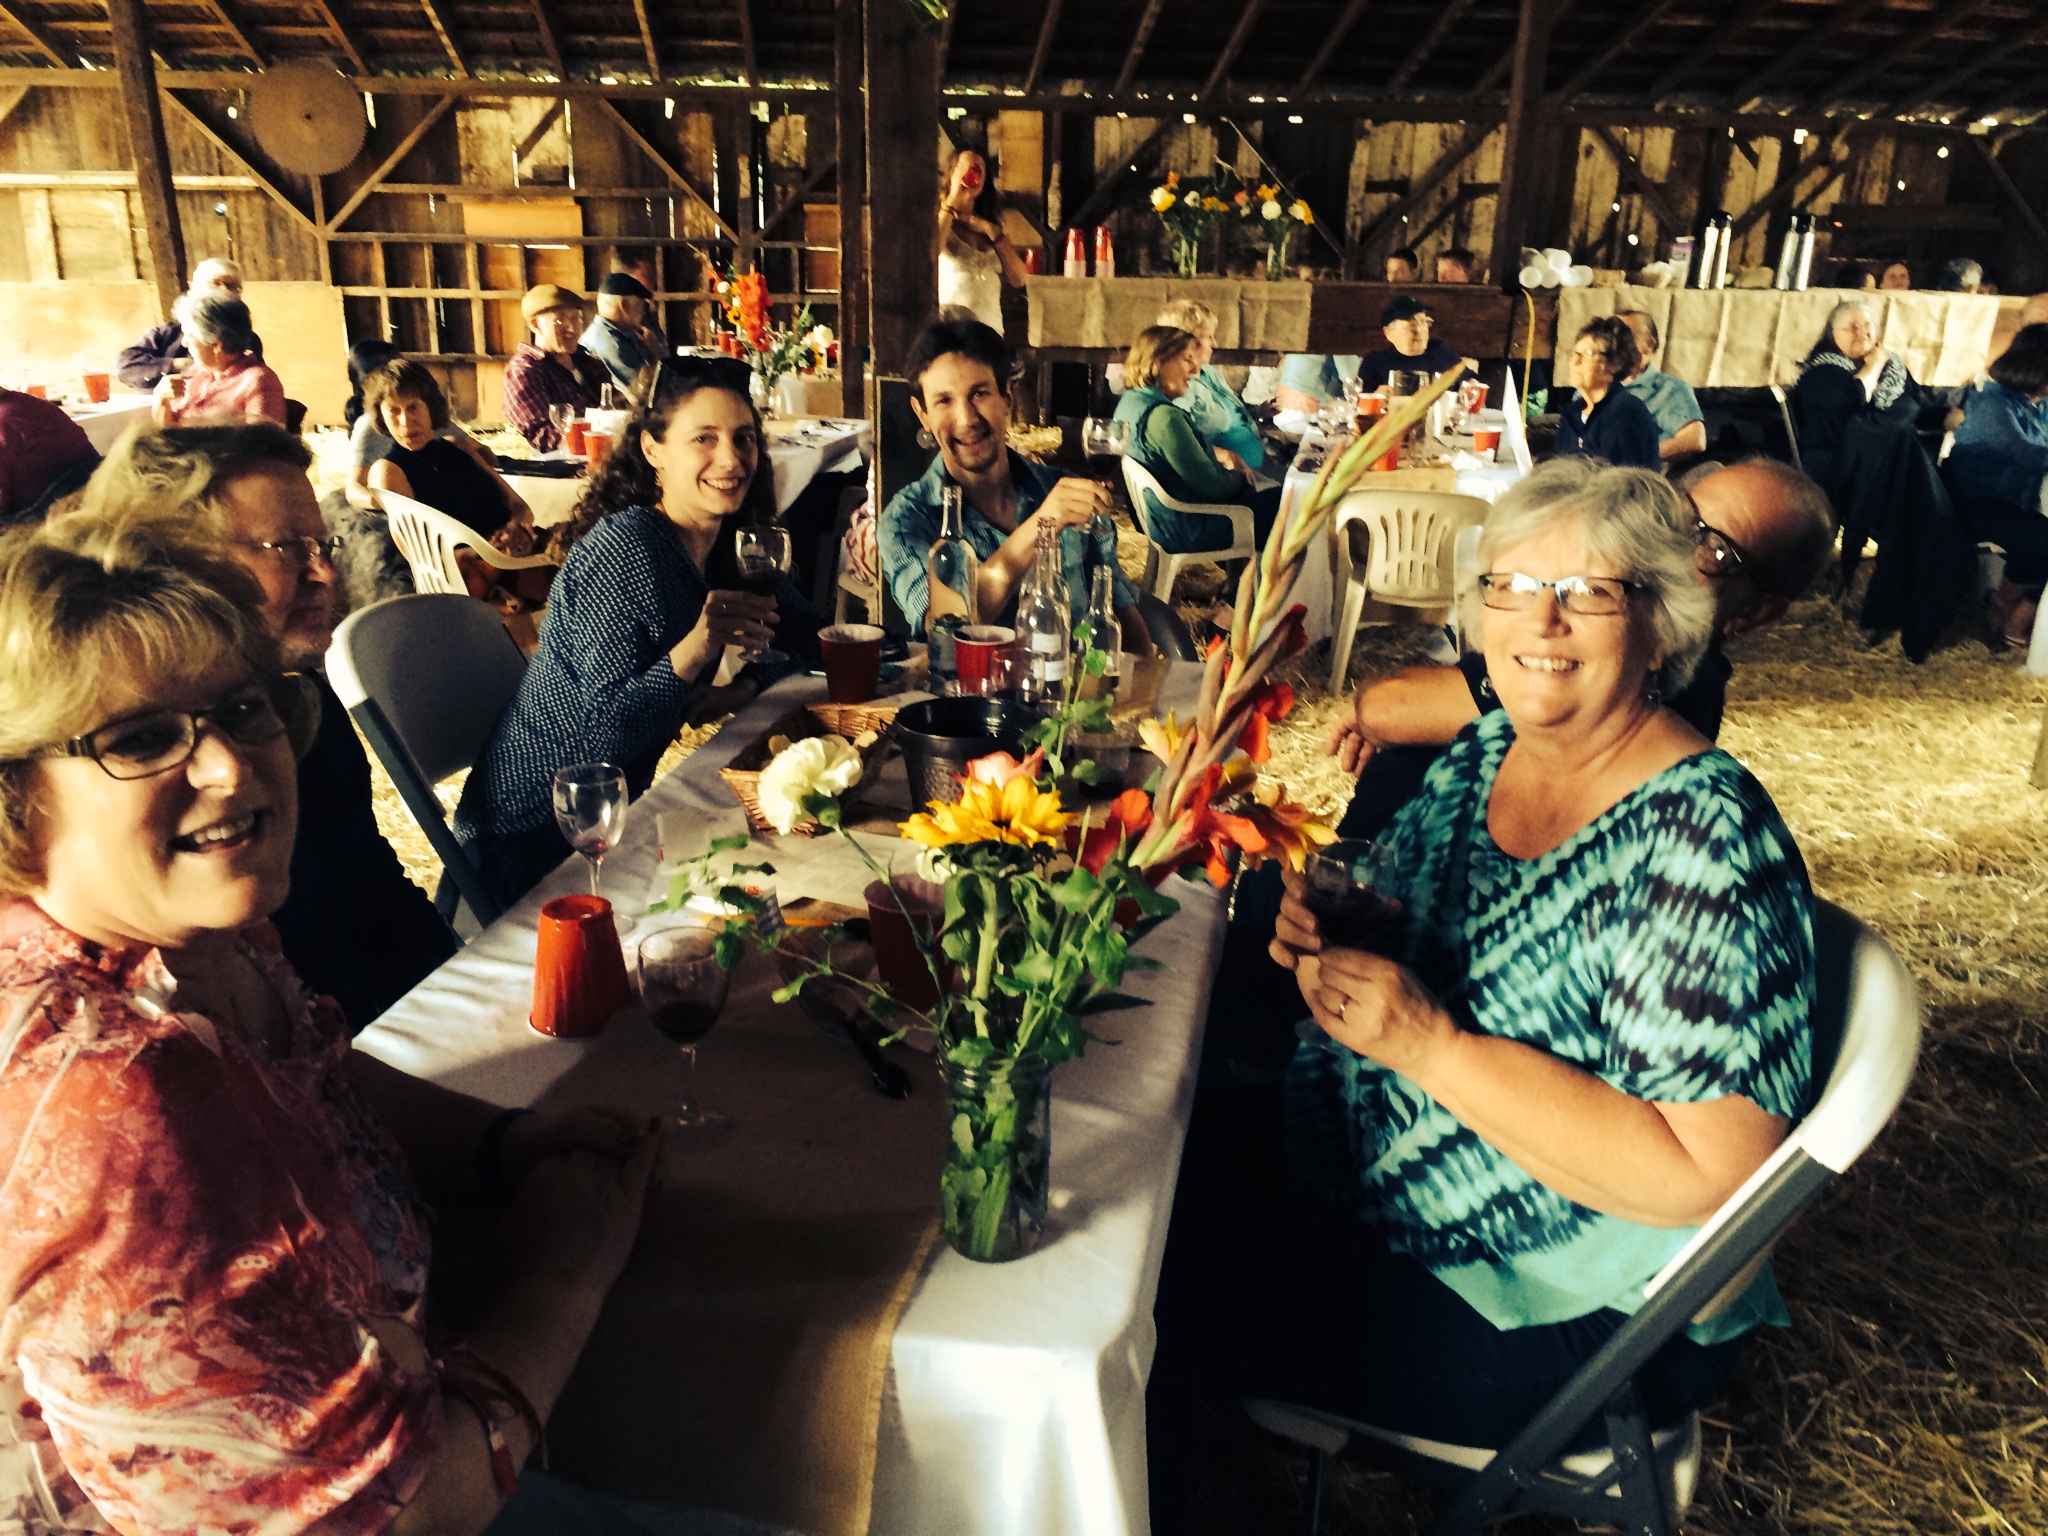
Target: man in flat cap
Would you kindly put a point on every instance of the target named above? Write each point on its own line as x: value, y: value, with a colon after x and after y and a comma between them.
x: 623, y: 336
x: 551, y: 369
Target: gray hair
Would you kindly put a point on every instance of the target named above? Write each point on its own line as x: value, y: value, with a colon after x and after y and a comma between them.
x: 1649, y: 324
x: 208, y: 273
x: 1835, y: 315
x: 1959, y: 274
x: 217, y: 316
x: 1629, y: 519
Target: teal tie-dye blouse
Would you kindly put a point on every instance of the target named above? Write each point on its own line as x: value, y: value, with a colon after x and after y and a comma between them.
x: 1666, y: 948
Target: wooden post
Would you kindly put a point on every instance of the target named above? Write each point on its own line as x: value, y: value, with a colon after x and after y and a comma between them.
x: 137, y: 70
x: 1518, y: 170
x: 850, y: 107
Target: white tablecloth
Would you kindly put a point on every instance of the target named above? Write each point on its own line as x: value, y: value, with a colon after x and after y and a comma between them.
x: 1317, y: 585
x: 798, y: 450
x: 104, y: 424
x: 1017, y: 1397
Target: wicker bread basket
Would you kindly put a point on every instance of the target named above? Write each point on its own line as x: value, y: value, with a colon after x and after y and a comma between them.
x: 743, y: 774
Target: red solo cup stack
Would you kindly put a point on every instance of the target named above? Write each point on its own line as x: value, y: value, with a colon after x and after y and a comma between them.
x: 1105, y: 252
x: 1077, y: 254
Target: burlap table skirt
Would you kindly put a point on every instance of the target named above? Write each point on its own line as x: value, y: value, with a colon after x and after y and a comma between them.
x: 1108, y: 312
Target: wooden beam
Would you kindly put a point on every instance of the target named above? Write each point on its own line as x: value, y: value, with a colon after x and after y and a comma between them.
x: 1944, y: 17
x: 665, y: 166
x: 849, y: 110
x: 1332, y: 41
x: 11, y: 96
x: 1464, y: 197
x: 550, y: 45
x: 1104, y: 197
x: 1845, y: 15
x: 1832, y: 158
x: 454, y: 49
x: 227, y: 146
x: 1654, y: 193
x: 804, y: 189
x: 113, y: 180
x: 1448, y: 15
x: 1616, y: 46
x: 539, y: 131
x: 389, y: 163
x: 749, y: 60
x: 646, y: 25
x: 1511, y: 208
x: 344, y: 35
x: 1146, y: 22
x: 137, y: 70
x: 1046, y: 28
x: 1227, y: 59
x: 1975, y: 63
x: 2029, y: 215
x: 1424, y: 185
x: 228, y: 23
x: 59, y: 52
x: 1716, y: 39
x: 902, y: 54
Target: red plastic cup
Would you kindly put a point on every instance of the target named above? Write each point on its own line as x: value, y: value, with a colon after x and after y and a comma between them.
x: 1034, y: 261
x: 1372, y: 405
x: 1105, y: 252
x: 853, y: 661
x: 898, y: 961
x: 1077, y: 254
x: 1391, y: 459
x: 975, y: 650
x: 1472, y: 395
x: 579, y: 971
x: 36, y: 390
x: 1486, y: 439
x: 99, y: 387
x: 576, y: 436
x: 595, y: 446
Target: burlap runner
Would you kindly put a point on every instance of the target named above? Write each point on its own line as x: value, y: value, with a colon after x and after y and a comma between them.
x: 741, y: 1360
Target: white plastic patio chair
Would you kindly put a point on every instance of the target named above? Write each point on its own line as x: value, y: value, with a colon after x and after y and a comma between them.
x: 429, y: 540
x: 426, y: 677
x: 1410, y: 561
x: 1866, y: 1037
x: 1162, y: 566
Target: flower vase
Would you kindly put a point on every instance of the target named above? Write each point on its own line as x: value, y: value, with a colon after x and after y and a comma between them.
x: 993, y: 1188
x: 1187, y: 254
x: 1276, y: 258
x: 762, y: 389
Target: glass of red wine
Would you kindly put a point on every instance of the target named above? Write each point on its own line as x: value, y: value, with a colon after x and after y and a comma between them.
x: 683, y: 988
x: 1345, y: 882
x: 763, y: 556
x: 590, y: 808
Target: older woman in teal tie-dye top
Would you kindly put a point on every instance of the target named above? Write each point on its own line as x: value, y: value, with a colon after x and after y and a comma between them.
x: 1594, y: 1026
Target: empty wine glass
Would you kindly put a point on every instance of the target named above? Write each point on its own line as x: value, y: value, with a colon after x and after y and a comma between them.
x: 683, y: 988
x: 590, y: 808
x: 763, y: 555
x: 560, y: 417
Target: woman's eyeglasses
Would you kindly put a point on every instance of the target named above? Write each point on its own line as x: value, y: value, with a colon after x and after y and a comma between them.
x: 142, y: 746
x: 298, y: 553
x: 1590, y: 596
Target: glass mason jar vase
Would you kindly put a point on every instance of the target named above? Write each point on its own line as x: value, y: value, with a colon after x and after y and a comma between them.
x: 993, y: 1187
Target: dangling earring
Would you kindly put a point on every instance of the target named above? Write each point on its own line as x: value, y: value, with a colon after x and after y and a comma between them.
x: 1655, y: 696
x: 1486, y: 684
x: 925, y: 438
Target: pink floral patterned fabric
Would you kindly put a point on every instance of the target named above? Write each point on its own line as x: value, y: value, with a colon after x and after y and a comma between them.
x: 212, y: 1265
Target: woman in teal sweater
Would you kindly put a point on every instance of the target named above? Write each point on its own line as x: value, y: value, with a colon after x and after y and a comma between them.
x: 1163, y: 360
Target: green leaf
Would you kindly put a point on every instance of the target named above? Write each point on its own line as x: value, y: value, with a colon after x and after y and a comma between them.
x: 1095, y: 663
x: 1086, y: 771
x: 963, y: 1135
x: 732, y: 845
x: 1078, y: 892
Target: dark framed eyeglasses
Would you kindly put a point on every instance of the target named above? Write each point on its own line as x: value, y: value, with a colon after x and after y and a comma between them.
x: 677, y: 373
x: 143, y: 745
x: 1589, y: 596
x: 298, y: 553
x: 1722, y: 556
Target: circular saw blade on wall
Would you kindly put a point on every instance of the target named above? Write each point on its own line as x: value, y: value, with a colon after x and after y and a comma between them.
x: 307, y: 119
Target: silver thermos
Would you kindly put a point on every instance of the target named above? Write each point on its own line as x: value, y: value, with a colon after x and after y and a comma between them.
x: 1712, y: 271
x: 1795, y: 254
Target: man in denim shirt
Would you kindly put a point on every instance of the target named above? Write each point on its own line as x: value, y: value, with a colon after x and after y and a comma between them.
x: 959, y: 371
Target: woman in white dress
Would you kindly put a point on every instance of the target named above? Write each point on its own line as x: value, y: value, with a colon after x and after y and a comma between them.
x: 975, y: 254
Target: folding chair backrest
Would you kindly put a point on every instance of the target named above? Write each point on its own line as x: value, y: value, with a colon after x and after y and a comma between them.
x: 428, y: 539
x: 1411, y: 541
x: 1785, y: 413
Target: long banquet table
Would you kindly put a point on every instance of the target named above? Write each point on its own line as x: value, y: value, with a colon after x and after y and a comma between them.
x: 1015, y: 1402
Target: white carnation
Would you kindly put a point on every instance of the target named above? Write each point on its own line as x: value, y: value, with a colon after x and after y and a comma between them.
x: 817, y: 765
x: 1269, y: 209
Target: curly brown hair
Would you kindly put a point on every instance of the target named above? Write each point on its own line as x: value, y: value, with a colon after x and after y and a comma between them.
x: 403, y: 376
x: 1617, y: 343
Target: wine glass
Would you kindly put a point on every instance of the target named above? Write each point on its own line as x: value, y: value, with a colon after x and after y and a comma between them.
x: 1104, y: 442
x: 763, y: 556
x: 590, y: 808
x: 560, y: 417
x: 683, y: 988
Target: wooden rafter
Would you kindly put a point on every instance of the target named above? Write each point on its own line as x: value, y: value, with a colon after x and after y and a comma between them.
x: 1332, y: 41
x: 1654, y: 192
x: 1830, y: 157
x: 667, y: 167
x: 135, y: 64
x: 1616, y: 46
x: 1535, y: 24
x: 1104, y: 197
x: 390, y: 163
x: 11, y: 97
x: 750, y: 61
x: 1448, y: 15
x: 1846, y: 15
x: 228, y: 22
x: 1717, y: 39
x: 227, y: 146
x: 1944, y: 17
x: 1136, y: 51
x: 1227, y: 59
x: 1420, y: 190
x: 60, y: 53
x: 539, y: 130
x: 646, y: 24
x: 1498, y: 71
x: 442, y: 31
x: 2012, y: 193
x: 344, y: 35
x: 550, y: 45
x: 1978, y: 60
x: 804, y: 189
x: 1046, y: 28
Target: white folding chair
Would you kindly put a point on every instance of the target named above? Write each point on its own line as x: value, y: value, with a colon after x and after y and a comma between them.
x: 1162, y: 566
x: 426, y: 678
x: 429, y: 540
x: 1866, y: 1037
x: 1410, y: 561
x: 1785, y: 412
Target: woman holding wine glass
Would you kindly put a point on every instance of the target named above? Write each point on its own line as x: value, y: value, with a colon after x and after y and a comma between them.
x: 647, y: 606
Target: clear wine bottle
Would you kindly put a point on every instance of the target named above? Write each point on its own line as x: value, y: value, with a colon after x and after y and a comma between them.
x: 1045, y: 625
x: 1105, y: 634
x: 950, y: 571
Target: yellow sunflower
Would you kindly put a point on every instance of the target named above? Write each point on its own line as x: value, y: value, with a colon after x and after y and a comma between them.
x: 1018, y: 813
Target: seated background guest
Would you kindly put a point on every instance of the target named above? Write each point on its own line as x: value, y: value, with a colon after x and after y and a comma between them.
x: 1959, y: 274
x: 1212, y: 405
x: 551, y: 369
x: 1457, y: 265
x: 1601, y: 419
x: 228, y: 384
x: 364, y: 359
x: 44, y: 455
x: 162, y: 347
x: 1157, y: 372
x: 1896, y: 277
x: 1681, y: 426
x: 1995, y: 471
x: 368, y: 442
x: 959, y: 374
x: 1311, y: 380
x: 353, y: 926
x: 180, y: 1117
x: 1849, y: 376
x: 1619, y: 928
x: 641, y: 615
x: 624, y: 336
x: 1405, y: 322
x: 1403, y: 266
x: 1853, y: 274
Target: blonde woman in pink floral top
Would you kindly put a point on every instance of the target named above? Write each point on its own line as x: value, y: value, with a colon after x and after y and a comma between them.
x: 213, y: 1257
x: 229, y: 382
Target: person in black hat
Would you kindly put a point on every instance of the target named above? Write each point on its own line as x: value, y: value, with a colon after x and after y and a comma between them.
x: 623, y: 336
x: 1405, y: 322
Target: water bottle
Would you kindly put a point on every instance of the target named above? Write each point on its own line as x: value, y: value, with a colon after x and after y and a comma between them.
x: 950, y: 571
x: 1105, y: 634
x: 1045, y: 625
